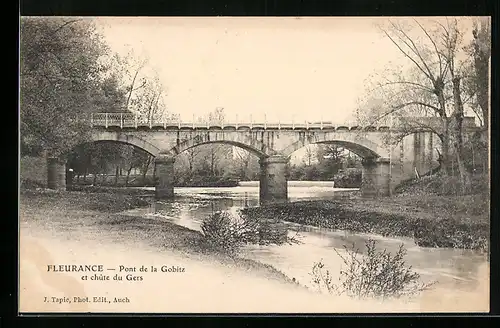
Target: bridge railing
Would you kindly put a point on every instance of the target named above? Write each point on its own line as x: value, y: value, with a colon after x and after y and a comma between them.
x: 131, y: 120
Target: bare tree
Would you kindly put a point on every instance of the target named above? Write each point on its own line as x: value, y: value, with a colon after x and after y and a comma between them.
x: 310, y: 154
x: 191, y: 156
x: 431, y: 87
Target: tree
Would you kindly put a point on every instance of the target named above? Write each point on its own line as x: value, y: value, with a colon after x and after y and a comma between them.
x: 478, y: 72
x: 215, y: 156
x: 430, y: 87
x: 330, y: 158
x: 144, y: 97
x: 310, y: 153
x: 61, y: 77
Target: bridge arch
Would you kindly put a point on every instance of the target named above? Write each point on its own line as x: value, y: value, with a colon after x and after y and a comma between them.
x: 252, y: 145
x: 365, y: 149
x: 126, y: 139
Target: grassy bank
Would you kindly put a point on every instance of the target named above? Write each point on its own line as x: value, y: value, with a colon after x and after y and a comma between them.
x: 432, y: 220
x: 75, y: 211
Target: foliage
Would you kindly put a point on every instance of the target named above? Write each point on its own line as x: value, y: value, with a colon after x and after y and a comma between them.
x: 29, y: 184
x: 445, y: 80
x: 348, y: 178
x: 378, y: 274
x: 61, y: 77
x: 477, y: 71
x: 443, y: 185
x: 431, y: 220
x: 227, y: 232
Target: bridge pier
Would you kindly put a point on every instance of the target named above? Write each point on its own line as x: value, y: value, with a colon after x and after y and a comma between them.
x: 376, y: 177
x: 273, y: 180
x: 56, y: 173
x: 164, y: 166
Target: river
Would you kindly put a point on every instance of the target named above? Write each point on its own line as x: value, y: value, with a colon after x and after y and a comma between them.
x: 451, y: 269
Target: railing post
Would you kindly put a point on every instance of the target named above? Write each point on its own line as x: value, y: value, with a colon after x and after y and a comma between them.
x: 91, y: 120
x: 106, y: 120
x: 236, y: 121
x: 307, y: 125
x: 193, y: 121
x: 251, y: 122
x: 265, y: 122
x: 150, y: 122
x: 121, y: 120
x: 135, y: 120
x: 179, y: 122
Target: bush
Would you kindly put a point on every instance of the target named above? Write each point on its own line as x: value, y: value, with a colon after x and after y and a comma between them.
x: 227, y: 233
x: 348, y: 178
x: 30, y: 184
x: 220, y: 230
x: 443, y: 185
x: 379, y: 274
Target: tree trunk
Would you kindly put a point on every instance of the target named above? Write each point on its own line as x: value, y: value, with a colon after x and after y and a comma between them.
x: 145, y: 170
x: 445, y: 140
x: 212, y: 163
x: 128, y: 175
x: 458, y: 117
x: 117, y: 173
x: 95, y: 179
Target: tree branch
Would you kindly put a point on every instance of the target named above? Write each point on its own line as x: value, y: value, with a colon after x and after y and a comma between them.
x: 416, y: 52
x: 434, y: 44
x: 405, y: 82
x: 396, y: 108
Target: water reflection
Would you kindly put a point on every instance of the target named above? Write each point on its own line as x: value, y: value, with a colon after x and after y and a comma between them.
x: 450, y: 267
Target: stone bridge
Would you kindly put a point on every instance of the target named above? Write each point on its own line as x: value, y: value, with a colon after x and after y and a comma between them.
x: 384, y: 166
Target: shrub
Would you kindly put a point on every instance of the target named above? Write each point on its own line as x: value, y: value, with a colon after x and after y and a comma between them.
x: 379, y: 274
x: 30, y: 184
x: 227, y: 232
x: 221, y: 233
x: 348, y: 178
x: 444, y: 185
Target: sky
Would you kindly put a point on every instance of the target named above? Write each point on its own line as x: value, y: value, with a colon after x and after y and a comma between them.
x: 275, y: 68
x: 278, y: 69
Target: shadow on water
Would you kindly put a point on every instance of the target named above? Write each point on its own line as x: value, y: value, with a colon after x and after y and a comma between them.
x: 452, y: 267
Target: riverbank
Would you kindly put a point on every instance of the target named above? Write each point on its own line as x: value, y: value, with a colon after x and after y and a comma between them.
x: 86, y: 228
x: 72, y: 212
x: 431, y: 220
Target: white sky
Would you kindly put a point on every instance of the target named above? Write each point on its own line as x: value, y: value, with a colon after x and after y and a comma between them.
x: 285, y: 68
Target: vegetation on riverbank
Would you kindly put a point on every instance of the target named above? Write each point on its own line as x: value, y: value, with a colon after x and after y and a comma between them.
x: 378, y: 274
x: 433, y: 220
x: 61, y: 211
x: 226, y: 232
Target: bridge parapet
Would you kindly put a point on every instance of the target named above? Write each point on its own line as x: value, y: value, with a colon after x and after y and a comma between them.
x: 132, y: 121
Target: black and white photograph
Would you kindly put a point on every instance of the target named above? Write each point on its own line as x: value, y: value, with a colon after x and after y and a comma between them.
x: 254, y: 164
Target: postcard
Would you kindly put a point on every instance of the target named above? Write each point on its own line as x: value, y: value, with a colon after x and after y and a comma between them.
x: 254, y: 164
